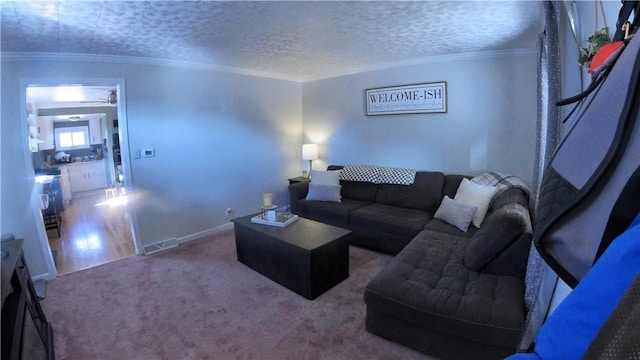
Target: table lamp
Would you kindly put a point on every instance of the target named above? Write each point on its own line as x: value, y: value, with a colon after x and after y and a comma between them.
x: 309, y: 152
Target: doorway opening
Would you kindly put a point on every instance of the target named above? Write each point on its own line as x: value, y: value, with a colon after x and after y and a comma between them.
x: 77, y: 138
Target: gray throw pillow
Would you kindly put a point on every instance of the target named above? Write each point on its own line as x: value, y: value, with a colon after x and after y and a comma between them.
x: 324, y: 192
x: 498, y: 232
x: 455, y: 213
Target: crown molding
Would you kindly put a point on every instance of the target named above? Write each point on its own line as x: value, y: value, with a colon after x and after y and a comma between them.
x: 132, y: 60
x: 13, y: 56
x: 429, y: 60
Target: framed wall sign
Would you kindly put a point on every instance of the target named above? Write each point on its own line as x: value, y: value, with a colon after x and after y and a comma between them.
x: 407, y: 99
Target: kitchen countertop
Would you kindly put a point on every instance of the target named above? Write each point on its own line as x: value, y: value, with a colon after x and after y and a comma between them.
x: 55, y: 168
x: 49, y: 171
x: 75, y: 162
x: 44, y: 179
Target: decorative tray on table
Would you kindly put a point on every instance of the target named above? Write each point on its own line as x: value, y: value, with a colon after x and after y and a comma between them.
x: 280, y: 219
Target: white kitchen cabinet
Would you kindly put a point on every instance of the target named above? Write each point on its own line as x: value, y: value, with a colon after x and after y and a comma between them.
x: 95, y: 131
x: 88, y: 175
x: 45, y: 132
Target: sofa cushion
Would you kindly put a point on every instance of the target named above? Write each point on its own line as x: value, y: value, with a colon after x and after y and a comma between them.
x: 428, y: 285
x: 324, y: 192
x: 499, y: 231
x: 455, y: 213
x: 356, y: 190
x: 444, y: 227
x: 336, y: 213
x: 390, y: 219
x: 475, y: 195
x: 424, y: 194
x: 451, y: 184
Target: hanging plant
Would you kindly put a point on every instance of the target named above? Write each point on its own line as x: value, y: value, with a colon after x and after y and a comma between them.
x: 594, y: 43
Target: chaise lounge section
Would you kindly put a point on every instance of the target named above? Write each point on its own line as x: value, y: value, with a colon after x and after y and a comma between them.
x: 452, y: 291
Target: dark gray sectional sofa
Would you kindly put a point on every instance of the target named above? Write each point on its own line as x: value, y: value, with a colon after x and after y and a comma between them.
x: 447, y: 293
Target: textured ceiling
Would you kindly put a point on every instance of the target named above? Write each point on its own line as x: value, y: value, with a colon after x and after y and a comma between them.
x: 294, y: 39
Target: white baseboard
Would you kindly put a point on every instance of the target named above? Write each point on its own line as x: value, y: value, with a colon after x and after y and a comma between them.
x: 207, y: 232
x: 174, y: 242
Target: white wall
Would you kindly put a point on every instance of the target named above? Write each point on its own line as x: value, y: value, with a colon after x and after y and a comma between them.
x: 17, y: 204
x: 490, y: 123
x: 220, y: 140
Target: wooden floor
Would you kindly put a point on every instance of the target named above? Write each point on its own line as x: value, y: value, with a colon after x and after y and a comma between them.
x: 95, y: 230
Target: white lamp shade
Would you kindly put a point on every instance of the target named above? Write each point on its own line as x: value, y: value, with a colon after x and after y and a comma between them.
x: 309, y: 151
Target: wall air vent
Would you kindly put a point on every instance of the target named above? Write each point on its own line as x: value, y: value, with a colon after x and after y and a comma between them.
x: 160, y: 246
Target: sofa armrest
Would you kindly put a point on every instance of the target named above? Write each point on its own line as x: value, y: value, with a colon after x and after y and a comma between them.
x: 513, y: 260
x: 297, y: 191
x: 501, y: 246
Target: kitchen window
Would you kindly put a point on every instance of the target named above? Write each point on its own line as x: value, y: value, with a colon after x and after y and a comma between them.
x: 71, y: 138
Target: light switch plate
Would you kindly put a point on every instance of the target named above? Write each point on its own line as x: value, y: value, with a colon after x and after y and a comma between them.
x: 136, y: 153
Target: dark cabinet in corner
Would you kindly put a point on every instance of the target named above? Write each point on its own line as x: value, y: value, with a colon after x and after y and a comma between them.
x: 26, y: 333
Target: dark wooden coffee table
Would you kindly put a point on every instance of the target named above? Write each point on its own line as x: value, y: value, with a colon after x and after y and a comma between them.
x: 307, y: 257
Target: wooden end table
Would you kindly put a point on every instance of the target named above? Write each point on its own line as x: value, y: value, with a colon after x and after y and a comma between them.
x: 297, y: 179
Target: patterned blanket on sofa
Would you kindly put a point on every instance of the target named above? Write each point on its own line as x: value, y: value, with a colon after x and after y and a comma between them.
x: 502, y: 181
x: 378, y: 174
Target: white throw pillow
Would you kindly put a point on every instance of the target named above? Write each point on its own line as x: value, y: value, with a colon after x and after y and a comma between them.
x: 455, y: 213
x: 325, y: 177
x: 324, y: 192
x: 475, y: 195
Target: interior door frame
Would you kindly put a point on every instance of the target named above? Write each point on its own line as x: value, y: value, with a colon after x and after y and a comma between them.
x: 120, y: 85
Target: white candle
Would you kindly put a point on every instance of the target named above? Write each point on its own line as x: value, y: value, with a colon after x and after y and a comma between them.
x: 267, y: 199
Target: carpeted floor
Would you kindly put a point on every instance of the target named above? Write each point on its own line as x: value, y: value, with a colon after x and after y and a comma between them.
x: 198, y: 302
